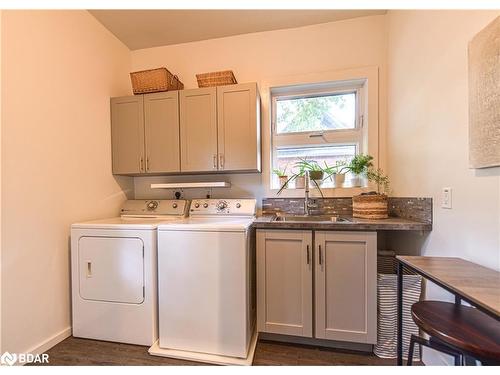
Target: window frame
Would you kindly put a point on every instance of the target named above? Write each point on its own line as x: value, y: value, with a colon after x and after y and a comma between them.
x: 307, y: 139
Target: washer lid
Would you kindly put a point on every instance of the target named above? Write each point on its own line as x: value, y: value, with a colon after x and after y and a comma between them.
x: 218, y: 224
x: 126, y: 223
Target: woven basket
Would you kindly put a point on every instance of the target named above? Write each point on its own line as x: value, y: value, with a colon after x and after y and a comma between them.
x: 370, y: 206
x: 387, y: 292
x: 154, y: 80
x: 225, y: 77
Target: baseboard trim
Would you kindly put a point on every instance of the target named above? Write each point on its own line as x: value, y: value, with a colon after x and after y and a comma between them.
x: 50, y: 342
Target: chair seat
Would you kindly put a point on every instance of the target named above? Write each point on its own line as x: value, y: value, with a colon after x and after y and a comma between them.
x: 466, y: 328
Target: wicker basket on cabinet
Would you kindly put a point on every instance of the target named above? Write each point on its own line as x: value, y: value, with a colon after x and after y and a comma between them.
x: 225, y: 77
x: 154, y: 80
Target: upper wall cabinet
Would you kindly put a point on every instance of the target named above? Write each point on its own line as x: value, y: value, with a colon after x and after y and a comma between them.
x: 215, y: 129
x: 161, y: 120
x: 198, y: 110
x: 145, y: 133
x: 127, y: 134
x: 238, y: 124
x: 220, y: 129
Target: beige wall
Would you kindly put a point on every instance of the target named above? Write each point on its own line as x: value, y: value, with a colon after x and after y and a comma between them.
x: 427, y: 144
x: 59, y: 69
x: 1, y: 350
x: 269, y: 57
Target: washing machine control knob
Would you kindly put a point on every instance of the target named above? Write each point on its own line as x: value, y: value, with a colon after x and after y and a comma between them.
x: 152, y: 205
x: 221, y: 205
x: 205, y: 205
x: 238, y: 205
x: 174, y: 205
x: 196, y: 205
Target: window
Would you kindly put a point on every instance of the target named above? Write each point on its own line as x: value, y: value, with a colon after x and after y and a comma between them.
x: 322, y: 122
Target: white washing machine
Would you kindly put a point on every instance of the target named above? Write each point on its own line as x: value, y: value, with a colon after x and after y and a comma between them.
x: 206, y: 284
x: 114, y: 272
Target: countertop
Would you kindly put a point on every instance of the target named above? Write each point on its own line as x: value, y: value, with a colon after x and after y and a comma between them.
x: 479, y: 285
x: 392, y: 223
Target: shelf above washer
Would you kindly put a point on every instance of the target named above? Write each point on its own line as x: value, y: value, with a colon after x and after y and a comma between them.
x: 190, y: 185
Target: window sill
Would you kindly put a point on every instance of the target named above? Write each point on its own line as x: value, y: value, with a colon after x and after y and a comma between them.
x: 344, y: 192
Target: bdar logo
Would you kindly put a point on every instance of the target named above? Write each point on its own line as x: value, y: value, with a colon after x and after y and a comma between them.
x: 8, y: 359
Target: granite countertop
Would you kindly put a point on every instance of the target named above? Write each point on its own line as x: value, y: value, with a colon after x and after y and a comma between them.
x: 392, y: 223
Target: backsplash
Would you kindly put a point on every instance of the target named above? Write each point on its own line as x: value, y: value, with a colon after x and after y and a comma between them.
x: 418, y: 209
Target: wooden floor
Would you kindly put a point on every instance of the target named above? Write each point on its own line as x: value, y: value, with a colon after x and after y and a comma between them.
x: 74, y: 351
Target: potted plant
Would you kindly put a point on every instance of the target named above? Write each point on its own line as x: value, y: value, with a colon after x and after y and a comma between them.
x: 316, y: 173
x: 282, y: 176
x: 300, y: 179
x: 359, y: 166
x: 337, y: 173
x: 373, y: 205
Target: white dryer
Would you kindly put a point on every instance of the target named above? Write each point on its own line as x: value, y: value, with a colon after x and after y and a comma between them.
x: 114, y: 272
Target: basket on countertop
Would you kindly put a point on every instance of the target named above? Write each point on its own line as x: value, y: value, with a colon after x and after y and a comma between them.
x: 225, y: 77
x: 370, y: 206
x: 154, y: 80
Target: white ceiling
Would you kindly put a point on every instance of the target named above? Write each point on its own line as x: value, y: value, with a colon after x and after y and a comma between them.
x: 152, y: 28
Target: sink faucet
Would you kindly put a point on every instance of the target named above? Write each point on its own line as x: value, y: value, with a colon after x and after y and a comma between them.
x: 307, y: 204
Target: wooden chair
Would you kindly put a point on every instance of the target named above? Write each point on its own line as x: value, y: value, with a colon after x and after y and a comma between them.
x: 457, y: 330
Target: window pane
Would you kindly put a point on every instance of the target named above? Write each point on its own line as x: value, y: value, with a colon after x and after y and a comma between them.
x: 330, y: 112
x: 287, y: 157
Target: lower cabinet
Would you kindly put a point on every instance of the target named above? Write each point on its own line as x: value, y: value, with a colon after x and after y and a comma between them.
x: 284, y: 282
x: 342, y: 304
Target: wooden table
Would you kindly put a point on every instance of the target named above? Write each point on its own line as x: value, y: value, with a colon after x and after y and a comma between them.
x: 475, y: 284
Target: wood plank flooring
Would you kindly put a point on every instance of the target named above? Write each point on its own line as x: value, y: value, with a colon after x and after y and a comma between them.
x: 83, y: 352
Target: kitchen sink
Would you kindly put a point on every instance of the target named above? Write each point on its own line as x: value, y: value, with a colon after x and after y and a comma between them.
x: 312, y: 218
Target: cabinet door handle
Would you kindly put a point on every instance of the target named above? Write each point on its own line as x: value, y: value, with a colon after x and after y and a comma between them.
x: 320, y: 256
x: 221, y: 161
x: 215, y: 161
x: 307, y: 254
x: 141, y: 168
x: 147, y: 164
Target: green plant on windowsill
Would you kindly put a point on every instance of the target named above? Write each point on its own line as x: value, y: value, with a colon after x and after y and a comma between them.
x: 282, y: 176
x: 359, y: 166
x: 336, y: 172
x: 316, y: 173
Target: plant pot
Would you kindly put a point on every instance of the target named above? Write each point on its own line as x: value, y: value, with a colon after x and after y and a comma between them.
x: 300, y: 182
x: 316, y: 178
x: 316, y: 175
x: 283, y: 181
x: 338, y: 179
x: 370, y: 206
x: 357, y: 181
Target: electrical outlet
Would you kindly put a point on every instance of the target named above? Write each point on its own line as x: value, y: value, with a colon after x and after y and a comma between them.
x: 446, y: 198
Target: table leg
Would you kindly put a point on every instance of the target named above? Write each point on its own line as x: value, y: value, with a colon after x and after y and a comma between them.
x: 400, y: 315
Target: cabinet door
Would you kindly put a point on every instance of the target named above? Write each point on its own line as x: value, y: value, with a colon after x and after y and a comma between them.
x: 238, y: 122
x: 198, y: 119
x: 127, y: 134
x: 161, y: 118
x: 346, y: 286
x: 284, y: 282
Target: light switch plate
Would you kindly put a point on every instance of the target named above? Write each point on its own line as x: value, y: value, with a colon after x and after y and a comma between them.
x: 446, y: 198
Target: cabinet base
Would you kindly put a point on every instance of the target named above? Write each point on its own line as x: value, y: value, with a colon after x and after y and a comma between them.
x: 368, y: 348
x: 206, y: 358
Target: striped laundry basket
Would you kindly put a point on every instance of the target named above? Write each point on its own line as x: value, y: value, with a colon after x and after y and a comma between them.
x: 387, y: 290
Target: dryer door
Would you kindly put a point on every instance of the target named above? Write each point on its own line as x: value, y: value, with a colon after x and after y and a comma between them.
x: 111, y: 269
